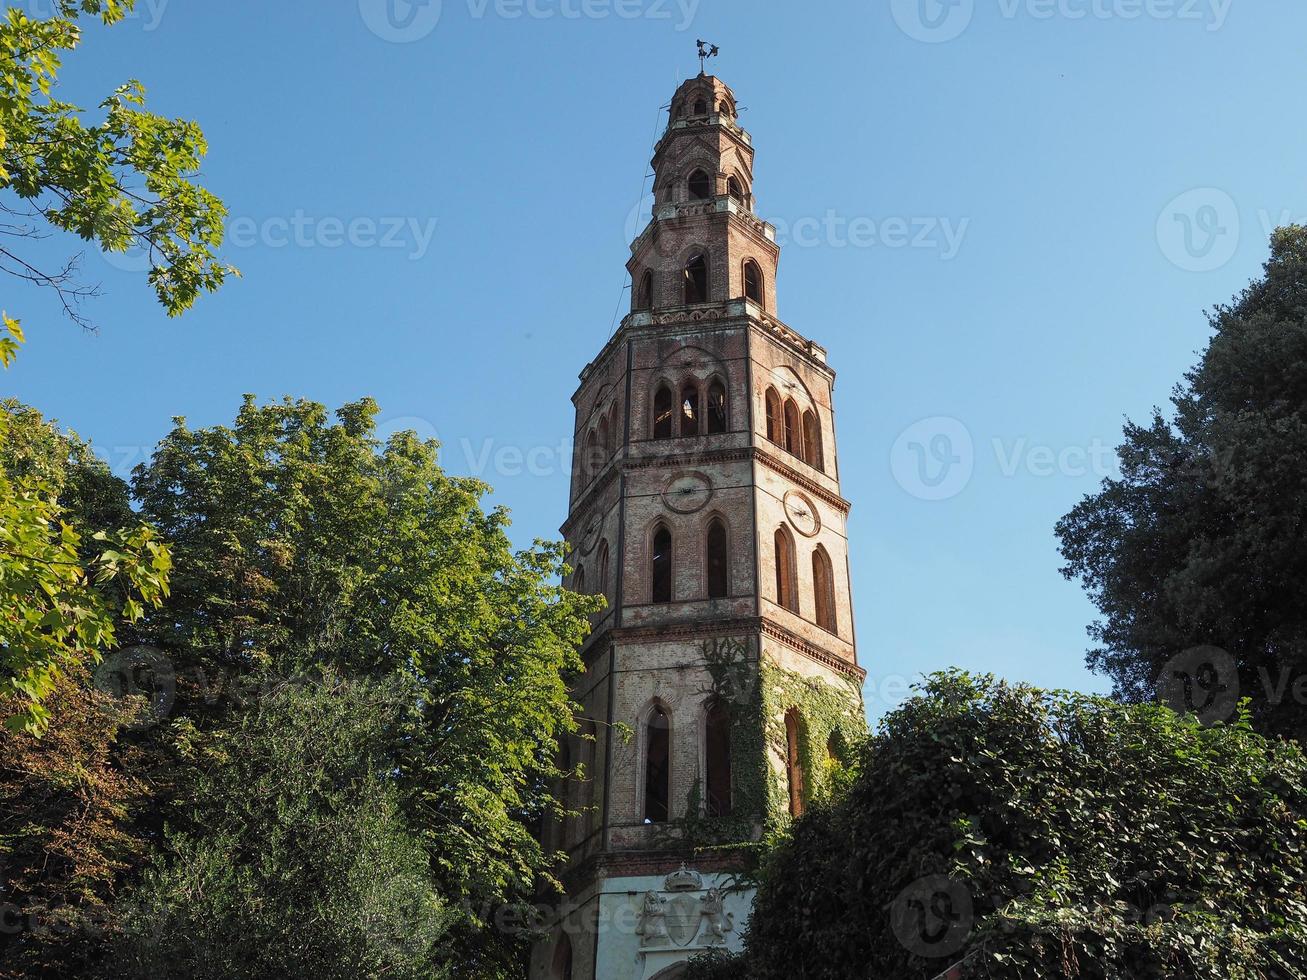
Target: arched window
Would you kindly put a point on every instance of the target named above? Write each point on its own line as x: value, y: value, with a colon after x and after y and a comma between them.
x: 562, y: 968
x: 644, y: 293
x: 812, y: 454
x: 664, y: 408
x: 716, y: 407
x: 717, y: 759
x: 589, y: 462
x: 793, y: 432
x: 786, y: 593
x: 700, y: 107
x: 605, y: 438
x: 794, y: 761
x: 657, y: 765
x: 774, y: 424
x: 696, y: 279
x: 661, y: 566
x: 603, y: 568
x: 734, y: 189
x: 690, y: 414
x: 578, y: 579
x: 716, y: 559
x: 700, y: 186
x: 753, y: 282
x: 823, y: 588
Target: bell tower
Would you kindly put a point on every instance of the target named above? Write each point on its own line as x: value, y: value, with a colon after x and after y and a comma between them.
x: 722, y: 680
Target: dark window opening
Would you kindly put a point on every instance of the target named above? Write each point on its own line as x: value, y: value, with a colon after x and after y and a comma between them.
x: 603, y: 567
x: 812, y: 454
x: 734, y: 189
x: 644, y: 295
x: 663, y: 413
x: 718, y: 579
x: 700, y: 186
x: 793, y: 433
x: 786, y: 593
x: 717, y: 759
x: 662, y: 565
x: 690, y: 410
x: 753, y: 283
x: 716, y: 408
x: 696, y: 280
x: 823, y: 587
x: 700, y: 108
x: 774, y: 424
x: 656, y: 766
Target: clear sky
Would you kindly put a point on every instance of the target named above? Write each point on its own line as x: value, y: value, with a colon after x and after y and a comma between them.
x: 1004, y: 219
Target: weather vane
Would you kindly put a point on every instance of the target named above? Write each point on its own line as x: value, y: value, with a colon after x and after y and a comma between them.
x: 706, y: 51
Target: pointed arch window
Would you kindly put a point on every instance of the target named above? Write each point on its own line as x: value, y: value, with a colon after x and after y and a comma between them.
x: 735, y: 189
x: 775, y: 425
x: 690, y: 411
x: 605, y: 438
x: 716, y: 407
x: 700, y: 186
x: 794, y: 760
x: 696, y: 279
x: 562, y: 969
x: 701, y: 107
x: 787, y: 594
x: 644, y: 292
x: 657, y: 765
x: 793, y: 430
x: 578, y: 579
x: 590, y: 459
x: 753, y: 282
x: 823, y: 588
x: 603, y: 567
x: 717, y: 759
x: 664, y: 412
x: 717, y: 560
x: 812, y: 454
x: 660, y: 570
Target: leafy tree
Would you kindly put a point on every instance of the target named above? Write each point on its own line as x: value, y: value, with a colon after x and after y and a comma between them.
x: 1203, y: 539
x: 125, y: 180
x: 68, y: 807
x: 66, y: 580
x: 303, y: 544
x: 290, y: 855
x: 1036, y: 834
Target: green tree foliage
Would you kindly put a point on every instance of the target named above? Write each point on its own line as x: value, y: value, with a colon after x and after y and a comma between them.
x: 289, y: 854
x: 303, y: 544
x: 125, y: 180
x: 69, y: 801
x: 66, y: 577
x: 1037, y: 834
x: 1203, y: 539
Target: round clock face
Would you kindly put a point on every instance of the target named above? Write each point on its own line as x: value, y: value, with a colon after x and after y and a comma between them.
x: 802, y: 513
x: 687, y: 492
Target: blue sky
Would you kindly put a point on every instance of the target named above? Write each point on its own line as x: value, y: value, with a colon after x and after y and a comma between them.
x: 1004, y: 219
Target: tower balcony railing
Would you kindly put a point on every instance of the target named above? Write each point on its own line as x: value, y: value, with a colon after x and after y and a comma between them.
x: 722, y: 204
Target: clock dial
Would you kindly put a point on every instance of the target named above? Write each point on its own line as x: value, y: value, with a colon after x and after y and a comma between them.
x: 802, y: 513
x: 687, y: 492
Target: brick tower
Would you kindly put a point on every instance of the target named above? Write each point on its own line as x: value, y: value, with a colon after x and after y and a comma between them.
x: 722, y: 679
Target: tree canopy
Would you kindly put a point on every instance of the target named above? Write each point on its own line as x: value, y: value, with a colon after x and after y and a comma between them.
x: 1033, y: 833
x: 1202, y: 541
